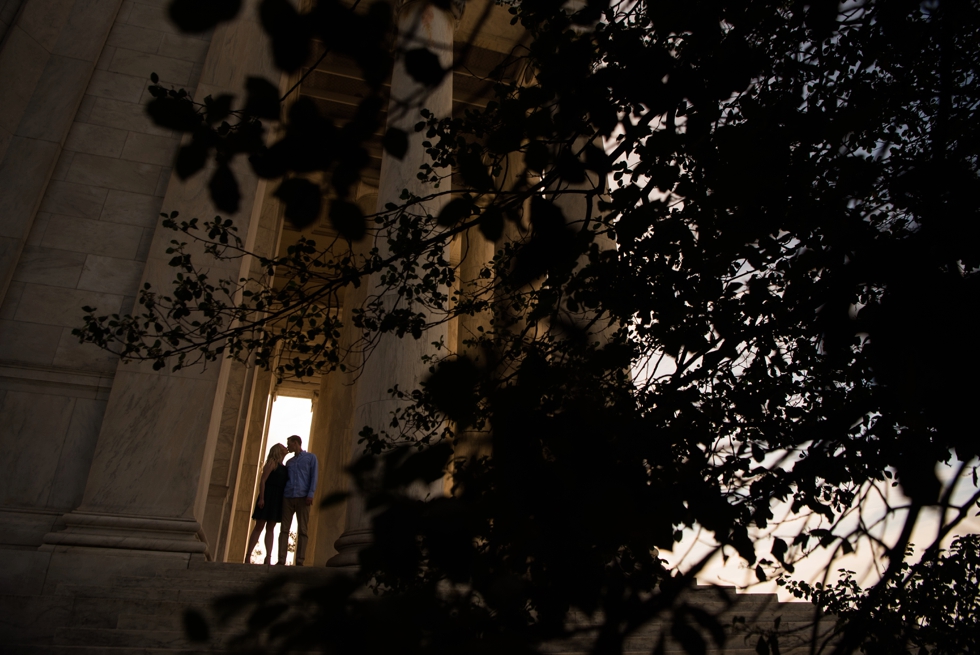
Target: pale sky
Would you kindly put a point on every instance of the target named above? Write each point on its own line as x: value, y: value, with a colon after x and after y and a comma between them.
x: 862, y: 561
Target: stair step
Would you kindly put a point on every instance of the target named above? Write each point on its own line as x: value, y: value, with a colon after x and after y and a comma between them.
x: 143, y: 615
x: 96, y: 591
x: 98, y: 637
x: 174, y: 594
x: 98, y: 650
x: 175, y: 622
x: 104, y: 612
x: 216, y: 585
x: 33, y: 618
x: 230, y: 571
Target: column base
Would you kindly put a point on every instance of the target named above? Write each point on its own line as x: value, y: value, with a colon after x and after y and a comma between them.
x: 140, y: 533
x: 349, y: 547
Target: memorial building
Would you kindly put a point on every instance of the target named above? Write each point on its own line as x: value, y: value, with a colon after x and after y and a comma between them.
x: 113, y: 471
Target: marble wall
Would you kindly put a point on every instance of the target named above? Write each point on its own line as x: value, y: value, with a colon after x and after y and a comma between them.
x: 82, y: 178
x: 149, y: 483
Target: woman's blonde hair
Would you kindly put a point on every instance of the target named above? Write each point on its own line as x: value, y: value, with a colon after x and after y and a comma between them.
x: 276, y: 454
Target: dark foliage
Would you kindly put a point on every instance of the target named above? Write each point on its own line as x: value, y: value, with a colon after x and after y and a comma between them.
x: 771, y: 301
x: 933, y: 605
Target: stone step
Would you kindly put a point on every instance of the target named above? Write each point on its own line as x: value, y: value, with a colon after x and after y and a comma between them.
x: 175, y: 641
x: 172, y: 622
x: 103, y: 612
x: 33, y: 618
x: 111, y: 613
x: 231, y: 571
x: 97, y: 637
x: 98, y: 650
x: 676, y: 649
x: 207, y: 584
x: 727, y: 618
x: 197, y: 596
x: 215, y: 586
x: 175, y: 622
x: 645, y: 643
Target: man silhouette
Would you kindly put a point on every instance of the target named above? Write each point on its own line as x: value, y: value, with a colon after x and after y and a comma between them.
x: 297, y: 497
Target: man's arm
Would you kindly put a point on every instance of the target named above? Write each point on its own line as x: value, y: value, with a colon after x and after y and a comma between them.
x: 314, y: 474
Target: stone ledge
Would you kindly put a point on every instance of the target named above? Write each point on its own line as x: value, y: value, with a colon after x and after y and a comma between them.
x: 129, y: 533
x: 77, y: 379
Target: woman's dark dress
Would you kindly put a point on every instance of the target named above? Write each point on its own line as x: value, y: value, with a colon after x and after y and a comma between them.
x: 274, y: 486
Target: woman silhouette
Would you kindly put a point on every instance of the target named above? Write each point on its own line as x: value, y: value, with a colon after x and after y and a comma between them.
x: 268, y: 506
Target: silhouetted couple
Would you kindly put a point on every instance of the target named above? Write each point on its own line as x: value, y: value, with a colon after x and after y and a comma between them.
x: 285, y: 490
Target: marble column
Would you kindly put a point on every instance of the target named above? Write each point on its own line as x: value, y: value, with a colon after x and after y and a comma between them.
x: 249, y: 465
x: 47, y: 56
x: 397, y: 361
x: 579, y: 202
x: 148, y: 483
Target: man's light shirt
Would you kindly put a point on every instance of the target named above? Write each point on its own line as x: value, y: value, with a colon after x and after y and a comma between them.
x: 301, y: 483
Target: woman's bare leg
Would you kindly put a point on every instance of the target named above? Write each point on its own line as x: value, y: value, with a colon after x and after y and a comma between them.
x: 269, y: 529
x: 253, y: 539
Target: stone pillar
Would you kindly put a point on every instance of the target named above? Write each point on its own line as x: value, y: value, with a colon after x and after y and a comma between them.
x: 148, y: 483
x: 399, y: 361
x: 577, y: 207
x: 231, y: 547
x: 334, y: 415
x: 250, y: 463
x: 477, y: 252
x: 47, y: 57
x: 226, y: 462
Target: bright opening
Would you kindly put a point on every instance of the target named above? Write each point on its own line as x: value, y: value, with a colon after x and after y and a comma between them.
x: 290, y: 416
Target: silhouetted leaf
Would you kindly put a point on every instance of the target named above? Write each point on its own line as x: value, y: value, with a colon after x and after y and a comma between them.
x: 473, y: 171
x: 197, y: 16
x: 424, y: 67
x: 334, y: 498
x: 224, y: 190
x: 218, y: 108
x: 597, y: 160
x: 348, y: 220
x: 395, y: 142
x: 536, y: 156
x: 492, y: 224
x: 173, y: 113
x: 779, y: 549
x: 453, y: 390
x: 290, y: 33
x: 303, y: 201
x: 190, y: 159
x: 262, y: 99
x: 570, y: 168
x: 456, y: 210
x: 196, y: 626
x: 425, y: 465
x: 270, y: 163
x: 918, y: 478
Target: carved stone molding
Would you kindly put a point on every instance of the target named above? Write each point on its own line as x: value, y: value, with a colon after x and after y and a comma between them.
x: 130, y: 533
